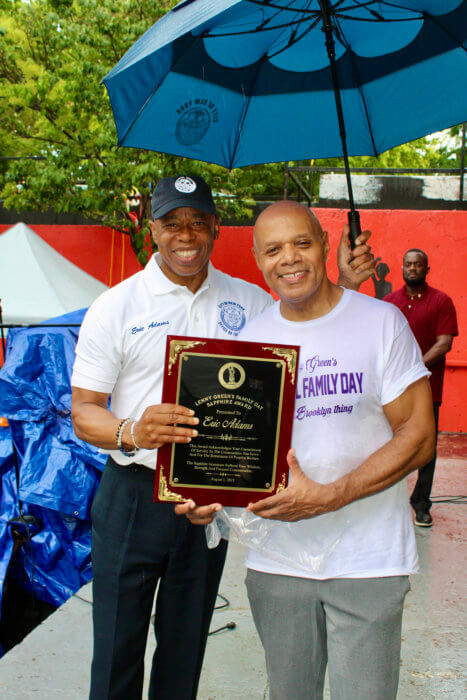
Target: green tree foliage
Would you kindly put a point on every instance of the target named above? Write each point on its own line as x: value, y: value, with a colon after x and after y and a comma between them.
x: 53, y: 55
x: 56, y: 117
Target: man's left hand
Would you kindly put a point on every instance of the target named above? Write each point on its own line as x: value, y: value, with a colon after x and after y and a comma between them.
x: 357, y: 265
x: 198, y: 515
x: 302, y: 499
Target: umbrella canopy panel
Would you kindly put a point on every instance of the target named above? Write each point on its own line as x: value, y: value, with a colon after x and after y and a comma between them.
x: 249, y: 81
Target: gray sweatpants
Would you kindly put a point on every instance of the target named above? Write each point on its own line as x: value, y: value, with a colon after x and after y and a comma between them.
x: 353, y: 623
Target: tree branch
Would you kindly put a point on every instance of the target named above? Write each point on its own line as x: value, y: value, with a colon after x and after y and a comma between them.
x: 53, y: 142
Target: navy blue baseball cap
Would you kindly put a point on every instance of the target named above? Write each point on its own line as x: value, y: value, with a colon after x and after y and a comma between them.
x: 181, y: 191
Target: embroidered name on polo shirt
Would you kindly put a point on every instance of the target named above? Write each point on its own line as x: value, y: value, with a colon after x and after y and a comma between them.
x: 232, y: 317
x: 153, y: 324
x: 156, y: 324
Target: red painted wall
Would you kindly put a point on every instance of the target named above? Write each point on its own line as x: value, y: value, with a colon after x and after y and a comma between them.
x: 108, y: 256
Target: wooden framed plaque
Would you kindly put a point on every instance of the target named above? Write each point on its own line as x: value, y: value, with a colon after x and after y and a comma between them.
x: 243, y: 394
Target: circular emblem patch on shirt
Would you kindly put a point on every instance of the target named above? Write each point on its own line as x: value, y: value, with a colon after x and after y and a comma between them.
x: 233, y: 317
x: 185, y: 184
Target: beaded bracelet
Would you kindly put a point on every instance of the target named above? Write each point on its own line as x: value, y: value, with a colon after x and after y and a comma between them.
x: 132, y: 431
x: 120, y: 429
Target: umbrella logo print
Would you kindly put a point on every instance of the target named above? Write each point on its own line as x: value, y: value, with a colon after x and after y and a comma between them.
x: 195, y: 119
x: 192, y: 126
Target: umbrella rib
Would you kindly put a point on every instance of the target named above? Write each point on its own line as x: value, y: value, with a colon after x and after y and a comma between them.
x: 284, y: 25
x: 359, y: 85
x: 290, y: 43
x: 440, y: 26
x: 425, y: 16
x: 265, y: 3
x: 253, y: 31
x: 270, y: 19
x: 293, y: 35
x: 317, y: 13
x: 237, y: 141
x: 137, y: 115
x: 284, y: 48
x: 366, y: 6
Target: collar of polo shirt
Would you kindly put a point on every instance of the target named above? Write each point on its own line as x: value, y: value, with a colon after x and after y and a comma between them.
x: 160, y: 284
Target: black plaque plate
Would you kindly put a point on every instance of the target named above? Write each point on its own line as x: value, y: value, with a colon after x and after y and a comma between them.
x: 243, y: 394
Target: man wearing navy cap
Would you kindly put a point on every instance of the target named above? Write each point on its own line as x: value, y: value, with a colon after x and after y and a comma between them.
x: 138, y: 544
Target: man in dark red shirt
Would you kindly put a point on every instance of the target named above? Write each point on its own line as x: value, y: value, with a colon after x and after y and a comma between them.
x: 432, y: 318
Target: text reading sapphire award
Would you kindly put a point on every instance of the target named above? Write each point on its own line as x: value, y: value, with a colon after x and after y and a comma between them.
x: 243, y: 394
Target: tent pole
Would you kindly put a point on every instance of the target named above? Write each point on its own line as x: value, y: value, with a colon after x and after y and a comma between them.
x: 328, y: 28
x: 2, y: 331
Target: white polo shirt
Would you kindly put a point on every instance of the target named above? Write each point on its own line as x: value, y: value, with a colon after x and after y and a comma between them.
x: 121, y: 345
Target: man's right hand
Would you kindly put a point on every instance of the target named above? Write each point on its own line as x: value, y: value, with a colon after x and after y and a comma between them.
x: 162, y: 423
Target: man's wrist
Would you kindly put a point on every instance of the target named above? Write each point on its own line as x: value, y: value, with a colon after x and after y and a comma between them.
x: 344, y: 281
x: 339, y: 492
x: 124, y: 440
x: 133, y: 437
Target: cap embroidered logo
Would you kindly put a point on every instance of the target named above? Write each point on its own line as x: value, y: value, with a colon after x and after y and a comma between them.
x: 185, y: 184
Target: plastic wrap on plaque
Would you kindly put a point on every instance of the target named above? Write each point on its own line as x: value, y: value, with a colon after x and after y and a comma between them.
x: 243, y: 394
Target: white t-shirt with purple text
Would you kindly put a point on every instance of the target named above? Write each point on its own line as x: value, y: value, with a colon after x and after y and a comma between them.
x: 354, y: 360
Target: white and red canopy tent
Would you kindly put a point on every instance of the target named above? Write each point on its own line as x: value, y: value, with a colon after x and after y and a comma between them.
x: 36, y: 282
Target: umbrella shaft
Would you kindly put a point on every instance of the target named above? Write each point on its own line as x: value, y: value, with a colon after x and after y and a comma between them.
x: 328, y: 28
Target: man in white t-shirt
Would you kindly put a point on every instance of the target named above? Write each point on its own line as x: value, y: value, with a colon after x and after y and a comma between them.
x: 329, y: 581
x: 138, y: 544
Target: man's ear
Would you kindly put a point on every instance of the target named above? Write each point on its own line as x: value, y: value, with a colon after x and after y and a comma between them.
x: 217, y: 225
x: 154, y: 231
x: 256, y: 256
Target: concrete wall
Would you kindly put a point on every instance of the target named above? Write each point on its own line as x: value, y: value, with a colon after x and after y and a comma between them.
x: 108, y: 257
x: 393, y: 192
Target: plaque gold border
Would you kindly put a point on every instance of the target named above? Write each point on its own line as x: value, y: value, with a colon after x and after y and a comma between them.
x: 178, y: 346
x: 164, y: 492
x: 279, y: 416
x: 290, y: 356
x: 282, y: 485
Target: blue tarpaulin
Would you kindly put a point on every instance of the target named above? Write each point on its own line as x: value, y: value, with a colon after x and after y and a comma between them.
x: 59, y: 473
x: 8, y: 504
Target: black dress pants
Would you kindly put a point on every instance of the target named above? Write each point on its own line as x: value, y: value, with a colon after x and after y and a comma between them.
x: 137, y: 544
x: 420, y: 498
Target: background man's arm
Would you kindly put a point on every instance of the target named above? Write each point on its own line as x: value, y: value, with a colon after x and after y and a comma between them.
x: 357, y: 265
x: 412, y: 445
x: 94, y: 423
x: 442, y: 346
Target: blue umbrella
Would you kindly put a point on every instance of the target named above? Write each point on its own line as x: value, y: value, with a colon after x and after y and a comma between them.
x: 240, y: 82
